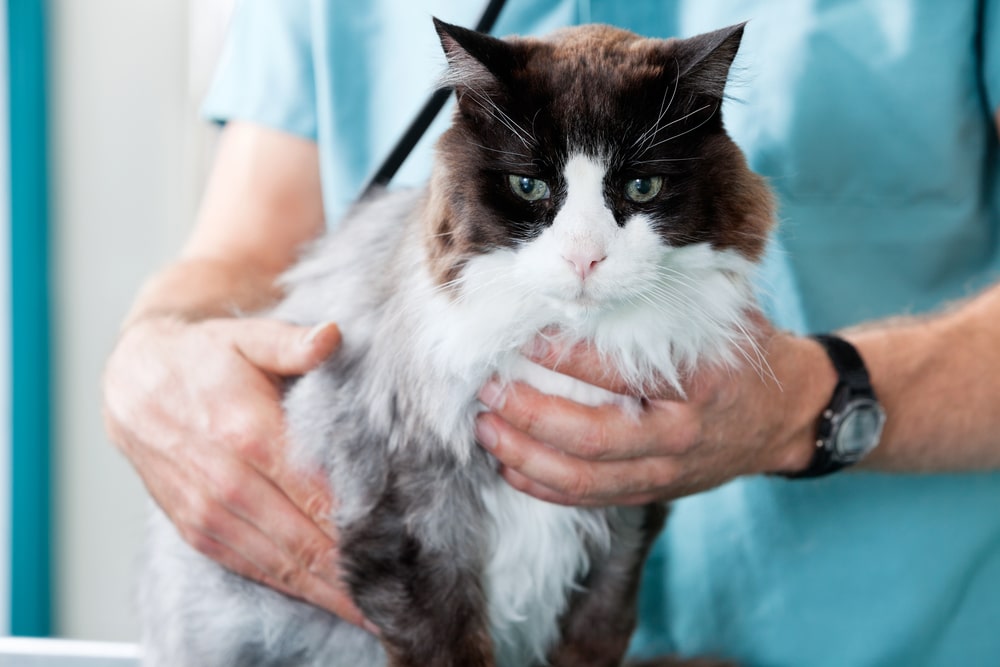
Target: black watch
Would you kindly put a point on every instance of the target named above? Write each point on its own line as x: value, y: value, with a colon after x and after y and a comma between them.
x: 851, y: 425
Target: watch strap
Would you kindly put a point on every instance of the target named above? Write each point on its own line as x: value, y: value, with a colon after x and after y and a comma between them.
x: 852, y: 377
x: 847, y: 362
x: 822, y: 464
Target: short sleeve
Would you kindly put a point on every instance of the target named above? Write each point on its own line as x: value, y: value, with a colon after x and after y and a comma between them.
x: 990, y: 47
x: 265, y: 73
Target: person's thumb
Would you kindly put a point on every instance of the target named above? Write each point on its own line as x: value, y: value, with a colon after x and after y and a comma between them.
x: 283, y: 348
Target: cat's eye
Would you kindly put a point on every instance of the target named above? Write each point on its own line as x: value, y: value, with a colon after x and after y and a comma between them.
x: 527, y: 188
x: 641, y: 190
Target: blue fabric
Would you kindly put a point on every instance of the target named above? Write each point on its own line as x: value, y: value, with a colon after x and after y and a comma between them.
x: 350, y: 75
x: 873, y: 122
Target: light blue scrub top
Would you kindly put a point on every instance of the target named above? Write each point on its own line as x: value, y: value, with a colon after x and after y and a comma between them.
x: 873, y: 122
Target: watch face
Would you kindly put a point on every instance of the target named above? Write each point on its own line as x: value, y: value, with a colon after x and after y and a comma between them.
x: 859, y: 430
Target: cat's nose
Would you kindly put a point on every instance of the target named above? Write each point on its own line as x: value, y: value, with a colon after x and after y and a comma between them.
x: 584, y: 261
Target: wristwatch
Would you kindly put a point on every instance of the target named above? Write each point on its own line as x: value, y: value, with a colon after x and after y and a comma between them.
x: 851, y: 425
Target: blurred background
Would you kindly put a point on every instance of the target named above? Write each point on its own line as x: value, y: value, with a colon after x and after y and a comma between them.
x: 100, y: 174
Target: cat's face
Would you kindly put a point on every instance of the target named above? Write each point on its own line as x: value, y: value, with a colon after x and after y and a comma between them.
x: 591, y: 167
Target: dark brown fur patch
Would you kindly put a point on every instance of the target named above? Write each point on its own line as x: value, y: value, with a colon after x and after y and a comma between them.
x: 429, y: 606
x: 646, y: 107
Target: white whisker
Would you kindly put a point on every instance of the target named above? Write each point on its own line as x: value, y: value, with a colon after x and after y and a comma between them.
x: 501, y: 117
x: 650, y: 134
x: 681, y: 134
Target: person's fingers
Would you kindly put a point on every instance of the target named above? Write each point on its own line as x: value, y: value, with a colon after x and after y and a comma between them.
x: 590, y: 432
x: 282, y: 348
x: 211, y: 449
x: 254, y: 498
x: 542, y: 492
x: 308, y: 587
x: 217, y: 498
x: 252, y: 478
x: 310, y: 491
x: 255, y: 434
x: 525, y: 484
x: 288, y: 551
x: 246, y: 524
x: 577, y: 479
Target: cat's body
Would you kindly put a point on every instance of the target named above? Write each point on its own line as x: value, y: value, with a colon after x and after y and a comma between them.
x: 436, y: 292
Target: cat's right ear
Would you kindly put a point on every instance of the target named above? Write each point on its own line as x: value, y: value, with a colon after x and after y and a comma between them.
x: 476, y: 61
x: 704, y: 61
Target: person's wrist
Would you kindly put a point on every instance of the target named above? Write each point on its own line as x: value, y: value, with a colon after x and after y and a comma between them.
x: 807, y: 380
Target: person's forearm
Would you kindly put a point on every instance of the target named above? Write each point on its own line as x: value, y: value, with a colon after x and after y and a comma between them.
x: 939, y: 381
x: 195, y: 288
x: 262, y: 203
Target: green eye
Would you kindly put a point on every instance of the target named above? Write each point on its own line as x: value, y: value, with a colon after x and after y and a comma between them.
x: 527, y: 188
x: 641, y: 190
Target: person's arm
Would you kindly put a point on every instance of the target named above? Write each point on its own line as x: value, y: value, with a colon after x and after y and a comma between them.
x: 262, y: 202
x: 191, y: 392
x: 938, y: 378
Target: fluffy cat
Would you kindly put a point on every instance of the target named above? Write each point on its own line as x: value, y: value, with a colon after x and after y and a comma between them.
x: 586, y: 190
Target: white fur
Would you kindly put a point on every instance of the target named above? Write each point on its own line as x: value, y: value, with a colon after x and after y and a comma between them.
x: 537, y: 550
x: 585, y: 226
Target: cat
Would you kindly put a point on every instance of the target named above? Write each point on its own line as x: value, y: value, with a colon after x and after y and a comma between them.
x: 586, y: 191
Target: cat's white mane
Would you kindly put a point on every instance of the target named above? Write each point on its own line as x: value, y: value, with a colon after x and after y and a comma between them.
x: 658, y: 311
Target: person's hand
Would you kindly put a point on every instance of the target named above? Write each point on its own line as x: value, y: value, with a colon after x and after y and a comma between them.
x: 196, y: 408
x: 757, y: 418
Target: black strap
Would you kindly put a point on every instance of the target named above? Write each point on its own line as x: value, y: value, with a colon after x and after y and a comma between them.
x: 424, y: 118
x: 854, y: 379
x: 846, y: 361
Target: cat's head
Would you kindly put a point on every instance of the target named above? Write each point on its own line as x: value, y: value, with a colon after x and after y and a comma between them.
x: 589, y: 166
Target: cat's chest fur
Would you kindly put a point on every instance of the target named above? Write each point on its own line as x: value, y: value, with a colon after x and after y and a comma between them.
x: 538, y: 551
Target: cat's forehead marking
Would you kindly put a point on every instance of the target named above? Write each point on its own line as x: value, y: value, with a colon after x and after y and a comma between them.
x: 584, y: 217
x: 584, y: 228
x: 584, y: 172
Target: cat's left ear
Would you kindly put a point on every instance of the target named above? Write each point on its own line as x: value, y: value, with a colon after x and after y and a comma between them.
x: 705, y: 60
x: 475, y: 60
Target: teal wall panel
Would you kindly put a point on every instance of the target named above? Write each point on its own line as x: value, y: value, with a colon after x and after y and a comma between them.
x: 31, y: 590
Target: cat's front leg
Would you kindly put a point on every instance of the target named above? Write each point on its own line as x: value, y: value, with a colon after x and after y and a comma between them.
x: 597, y: 626
x: 427, y: 603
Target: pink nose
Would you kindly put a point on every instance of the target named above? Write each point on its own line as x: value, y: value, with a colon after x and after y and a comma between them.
x: 584, y: 262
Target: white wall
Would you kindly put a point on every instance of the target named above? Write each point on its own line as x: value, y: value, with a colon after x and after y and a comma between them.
x: 128, y: 158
